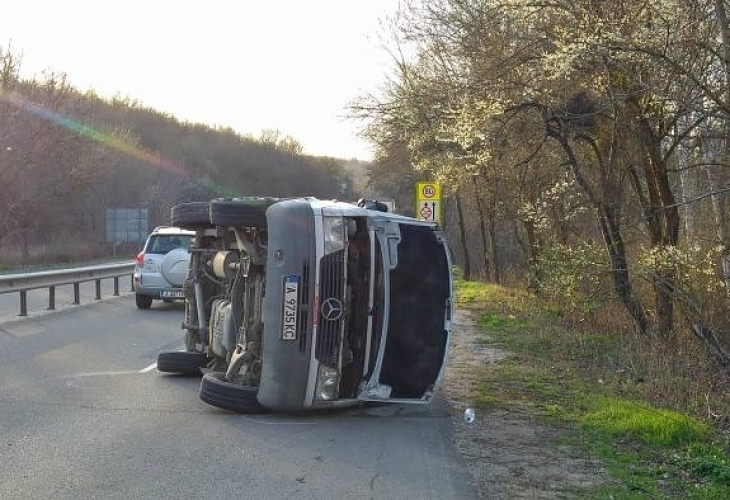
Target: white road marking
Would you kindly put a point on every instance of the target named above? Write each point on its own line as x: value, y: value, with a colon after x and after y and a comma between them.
x: 265, y: 421
x: 148, y: 369
x: 102, y: 374
x: 109, y: 374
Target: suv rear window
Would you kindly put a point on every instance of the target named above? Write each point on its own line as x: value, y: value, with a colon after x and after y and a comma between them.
x: 163, y: 243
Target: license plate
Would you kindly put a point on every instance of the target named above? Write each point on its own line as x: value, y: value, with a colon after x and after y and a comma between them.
x: 291, y: 306
x: 172, y: 294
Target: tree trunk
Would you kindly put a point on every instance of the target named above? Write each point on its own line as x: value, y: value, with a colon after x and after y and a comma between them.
x: 493, y: 251
x: 483, y: 232
x: 620, y: 269
x: 462, y: 236
x: 718, y: 197
x: 25, y: 255
x: 608, y: 217
x: 662, y: 217
x: 719, y: 201
x: 688, y: 182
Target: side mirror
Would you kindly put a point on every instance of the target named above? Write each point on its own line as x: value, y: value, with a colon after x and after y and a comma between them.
x: 372, y: 205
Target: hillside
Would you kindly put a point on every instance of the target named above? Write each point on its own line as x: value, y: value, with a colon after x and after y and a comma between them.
x: 67, y: 157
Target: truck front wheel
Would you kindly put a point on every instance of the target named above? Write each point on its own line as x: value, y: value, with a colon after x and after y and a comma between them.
x: 217, y: 391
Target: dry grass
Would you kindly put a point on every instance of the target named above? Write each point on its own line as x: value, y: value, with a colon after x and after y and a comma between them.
x: 676, y: 375
x: 571, y: 366
x: 69, y: 251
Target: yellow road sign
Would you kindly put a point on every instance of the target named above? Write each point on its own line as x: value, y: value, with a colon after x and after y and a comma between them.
x: 428, y: 201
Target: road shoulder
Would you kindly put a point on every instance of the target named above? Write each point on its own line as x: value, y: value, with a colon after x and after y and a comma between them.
x: 509, y: 453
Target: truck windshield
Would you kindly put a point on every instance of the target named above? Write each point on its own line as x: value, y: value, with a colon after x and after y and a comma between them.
x: 419, y: 291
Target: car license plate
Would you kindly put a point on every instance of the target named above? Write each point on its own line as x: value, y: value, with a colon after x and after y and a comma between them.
x: 172, y: 294
x: 291, y: 306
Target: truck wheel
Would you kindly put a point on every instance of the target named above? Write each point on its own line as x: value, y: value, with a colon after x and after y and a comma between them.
x: 143, y: 301
x: 240, y: 212
x: 186, y: 363
x: 192, y: 215
x: 217, y: 391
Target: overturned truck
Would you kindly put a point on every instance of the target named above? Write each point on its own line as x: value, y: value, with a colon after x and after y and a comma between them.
x: 294, y: 304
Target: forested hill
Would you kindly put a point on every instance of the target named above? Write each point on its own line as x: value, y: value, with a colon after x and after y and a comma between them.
x: 66, y: 157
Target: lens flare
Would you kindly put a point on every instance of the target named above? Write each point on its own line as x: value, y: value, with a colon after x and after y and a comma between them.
x: 111, y: 141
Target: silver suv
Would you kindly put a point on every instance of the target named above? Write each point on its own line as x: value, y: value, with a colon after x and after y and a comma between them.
x: 162, y: 265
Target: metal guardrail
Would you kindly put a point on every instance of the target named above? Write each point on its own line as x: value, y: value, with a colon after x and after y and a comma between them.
x: 23, y: 282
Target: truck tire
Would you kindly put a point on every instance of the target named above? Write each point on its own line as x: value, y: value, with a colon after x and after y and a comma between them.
x: 240, y: 212
x: 192, y: 215
x: 217, y: 391
x: 185, y: 363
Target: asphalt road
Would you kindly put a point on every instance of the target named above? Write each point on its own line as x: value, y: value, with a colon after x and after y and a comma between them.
x: 84, y: 414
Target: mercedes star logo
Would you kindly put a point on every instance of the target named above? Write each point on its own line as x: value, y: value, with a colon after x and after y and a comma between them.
x: 331, y: 309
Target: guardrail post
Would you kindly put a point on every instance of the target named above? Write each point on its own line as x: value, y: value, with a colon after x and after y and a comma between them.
x: 51, y: 298
x: 98, y: 289
x: 23, y: 303
x: 116, y: 286
x: 77, y: 294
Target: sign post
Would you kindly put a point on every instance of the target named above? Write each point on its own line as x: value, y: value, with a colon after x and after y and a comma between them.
x: 428, y: 201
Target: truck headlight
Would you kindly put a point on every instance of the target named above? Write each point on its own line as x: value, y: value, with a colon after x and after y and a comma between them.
x: 334, y: 234
x: 328, y: 381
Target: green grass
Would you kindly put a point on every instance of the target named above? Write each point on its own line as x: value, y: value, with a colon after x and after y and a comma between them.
x: 578, y: 381
x: 629, y: 419
x: 475, y: 295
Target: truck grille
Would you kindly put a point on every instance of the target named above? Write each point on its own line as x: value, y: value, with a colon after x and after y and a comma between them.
x: 304, y: 309
x: 332, y: 308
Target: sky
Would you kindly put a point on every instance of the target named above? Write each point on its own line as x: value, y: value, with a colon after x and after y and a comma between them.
x: 286, y: 65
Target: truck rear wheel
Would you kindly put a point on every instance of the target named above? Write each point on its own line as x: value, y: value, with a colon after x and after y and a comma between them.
x: 192, y: 215
x: 240, y: 212
x: 217, y: 391
x: 185, y: 363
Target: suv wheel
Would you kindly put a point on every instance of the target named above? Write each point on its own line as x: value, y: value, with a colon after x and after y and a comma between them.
x: 240, y: 212
x: 192, y: 215
x: 143, y: 301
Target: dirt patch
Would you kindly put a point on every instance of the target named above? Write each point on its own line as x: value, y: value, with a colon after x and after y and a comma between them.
x: 509, y: 454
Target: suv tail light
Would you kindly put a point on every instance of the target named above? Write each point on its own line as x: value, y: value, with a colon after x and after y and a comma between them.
x: 139, y: 259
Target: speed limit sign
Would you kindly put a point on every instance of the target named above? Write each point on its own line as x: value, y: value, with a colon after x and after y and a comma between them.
x: 428, y: 201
